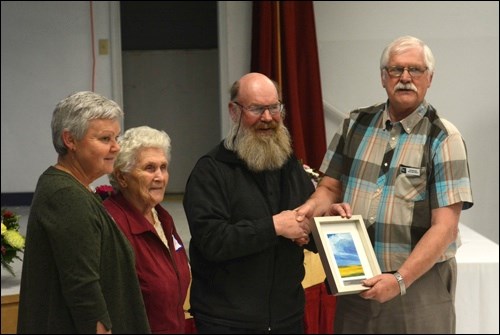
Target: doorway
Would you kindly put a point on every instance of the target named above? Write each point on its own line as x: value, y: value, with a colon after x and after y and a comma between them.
x: 171, y: 76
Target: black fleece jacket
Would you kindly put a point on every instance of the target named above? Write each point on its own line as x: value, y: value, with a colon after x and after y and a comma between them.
x: 244, y: 275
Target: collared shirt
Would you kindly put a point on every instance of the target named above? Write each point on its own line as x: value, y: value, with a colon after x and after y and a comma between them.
x: 394, y: 174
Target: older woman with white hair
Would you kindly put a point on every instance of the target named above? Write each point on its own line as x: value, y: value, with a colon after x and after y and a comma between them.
x: 78, y: 271
x: 140, y: 178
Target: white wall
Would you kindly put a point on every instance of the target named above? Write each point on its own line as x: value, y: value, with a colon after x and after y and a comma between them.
x: 235, y: 47
x: 46, y: 55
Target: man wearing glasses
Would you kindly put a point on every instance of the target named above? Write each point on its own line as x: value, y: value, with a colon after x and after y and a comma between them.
x: 405, y: 170
x: 246, y: 264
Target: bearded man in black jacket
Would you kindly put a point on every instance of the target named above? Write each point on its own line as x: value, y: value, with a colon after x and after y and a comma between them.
x: 246, y: 248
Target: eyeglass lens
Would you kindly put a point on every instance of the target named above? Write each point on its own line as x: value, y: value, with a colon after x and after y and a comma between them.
x: 397, y: 71
x: 259, y: 110
x: 273, y: 109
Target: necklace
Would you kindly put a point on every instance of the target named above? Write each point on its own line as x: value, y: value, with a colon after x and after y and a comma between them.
x: 61, y: 167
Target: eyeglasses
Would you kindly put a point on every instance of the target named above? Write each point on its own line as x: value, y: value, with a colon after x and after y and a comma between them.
x: 259, y: 110
x: 397, y: 71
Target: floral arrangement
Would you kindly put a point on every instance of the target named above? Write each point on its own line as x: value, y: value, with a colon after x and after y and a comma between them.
x: 104, y: 191
x: 12, y: 240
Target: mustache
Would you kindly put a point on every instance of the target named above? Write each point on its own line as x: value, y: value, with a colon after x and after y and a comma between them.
x: 406, y: 87
x: 266, y: 125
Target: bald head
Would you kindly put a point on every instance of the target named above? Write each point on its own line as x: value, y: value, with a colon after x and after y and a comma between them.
x: 254, y: 88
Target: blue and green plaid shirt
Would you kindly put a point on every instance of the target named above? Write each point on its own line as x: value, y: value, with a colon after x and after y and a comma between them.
x: 394, y: 174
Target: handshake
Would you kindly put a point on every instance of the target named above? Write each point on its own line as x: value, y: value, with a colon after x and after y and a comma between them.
x: 296, y: 224
x: 292, y: 226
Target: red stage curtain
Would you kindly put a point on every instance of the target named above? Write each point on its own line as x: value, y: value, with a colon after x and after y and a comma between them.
x: 327, y: 311
x: 284, y: 48
x: 320, y: 310
x: 312, y: 311
x: 190, y: 326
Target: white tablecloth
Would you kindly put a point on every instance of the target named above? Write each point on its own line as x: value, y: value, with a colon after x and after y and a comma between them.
x: 476, y: 301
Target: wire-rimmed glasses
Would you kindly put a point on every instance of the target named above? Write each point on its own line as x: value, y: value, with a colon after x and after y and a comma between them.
x: 397, y: 71
x: 259, y: 110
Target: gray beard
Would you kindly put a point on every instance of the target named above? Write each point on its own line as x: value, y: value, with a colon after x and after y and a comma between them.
x: 262, y: 153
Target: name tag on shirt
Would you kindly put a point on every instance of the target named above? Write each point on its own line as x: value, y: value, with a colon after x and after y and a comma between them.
x: 409, y: 171
x: 177, y: 245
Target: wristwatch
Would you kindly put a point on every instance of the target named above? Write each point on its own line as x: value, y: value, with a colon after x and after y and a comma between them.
x: 401, y: 283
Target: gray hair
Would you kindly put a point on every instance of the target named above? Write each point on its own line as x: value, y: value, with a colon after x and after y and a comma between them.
x: 404, y: 43
x: 74, y: 113
x: 131, y: 142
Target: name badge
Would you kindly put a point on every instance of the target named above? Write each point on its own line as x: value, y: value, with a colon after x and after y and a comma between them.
x: 410, y: 171
x: 177, y: 245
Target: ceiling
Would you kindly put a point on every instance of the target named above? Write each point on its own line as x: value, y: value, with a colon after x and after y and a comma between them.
x: 164, y: 25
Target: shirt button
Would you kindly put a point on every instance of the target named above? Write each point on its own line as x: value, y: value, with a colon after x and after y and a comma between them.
x: 371, y: 219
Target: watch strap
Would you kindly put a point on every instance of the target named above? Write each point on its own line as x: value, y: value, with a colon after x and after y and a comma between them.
x: 401, y: 283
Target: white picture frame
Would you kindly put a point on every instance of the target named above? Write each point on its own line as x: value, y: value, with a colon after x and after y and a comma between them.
x: 346, y: 253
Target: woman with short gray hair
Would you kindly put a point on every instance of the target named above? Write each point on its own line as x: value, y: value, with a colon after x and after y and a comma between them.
x: 78, y: 271
x: 140, y: 177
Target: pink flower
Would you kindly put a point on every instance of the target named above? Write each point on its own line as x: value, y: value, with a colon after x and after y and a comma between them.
x: 7, y: 214
x: 104, y: 191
